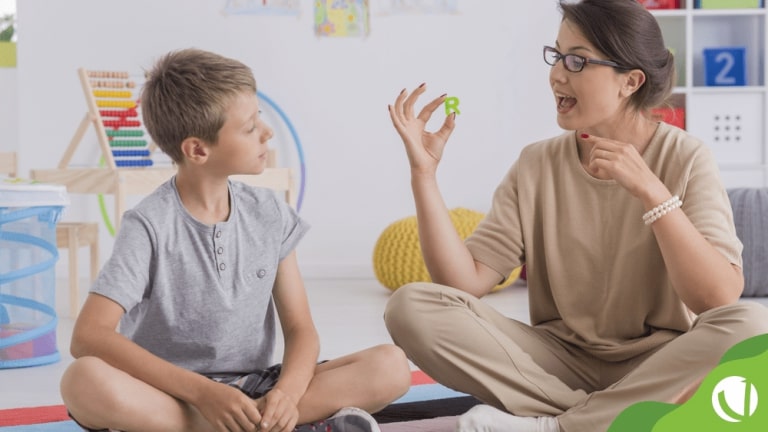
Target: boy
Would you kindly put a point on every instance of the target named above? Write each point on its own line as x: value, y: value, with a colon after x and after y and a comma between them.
x: 195, y: 270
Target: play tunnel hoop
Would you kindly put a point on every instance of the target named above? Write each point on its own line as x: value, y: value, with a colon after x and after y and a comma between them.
x: 46, y: 214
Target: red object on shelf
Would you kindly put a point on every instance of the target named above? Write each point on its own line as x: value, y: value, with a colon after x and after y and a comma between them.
x: 660, y: 4
x: 674, y: 116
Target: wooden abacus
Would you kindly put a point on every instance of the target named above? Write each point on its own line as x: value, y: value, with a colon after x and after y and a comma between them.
x: 126, y: 150
x: 114, y: 115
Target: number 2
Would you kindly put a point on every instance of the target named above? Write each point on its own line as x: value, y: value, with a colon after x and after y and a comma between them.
x: 722, y: 77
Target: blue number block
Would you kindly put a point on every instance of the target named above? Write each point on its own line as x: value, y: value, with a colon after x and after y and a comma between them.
x: 725, y: 66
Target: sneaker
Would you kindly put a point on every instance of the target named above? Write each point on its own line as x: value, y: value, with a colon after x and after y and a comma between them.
x: 348, y: 419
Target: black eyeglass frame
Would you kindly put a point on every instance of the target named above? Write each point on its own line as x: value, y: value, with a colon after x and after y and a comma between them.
x: 585, y: 60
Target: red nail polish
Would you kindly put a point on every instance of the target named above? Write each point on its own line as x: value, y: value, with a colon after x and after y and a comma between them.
x: 585, y: 136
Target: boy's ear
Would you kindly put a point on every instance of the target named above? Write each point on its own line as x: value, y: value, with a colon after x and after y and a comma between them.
x: 194, y: 150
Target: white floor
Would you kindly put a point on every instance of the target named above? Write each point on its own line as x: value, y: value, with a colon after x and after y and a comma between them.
x: 347, y: 313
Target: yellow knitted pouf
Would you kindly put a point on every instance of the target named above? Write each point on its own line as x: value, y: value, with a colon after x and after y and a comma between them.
x: 397, y: 256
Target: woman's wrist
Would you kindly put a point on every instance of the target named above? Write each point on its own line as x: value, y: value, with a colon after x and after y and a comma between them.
x: 654, y: 195
x: 662, y: 209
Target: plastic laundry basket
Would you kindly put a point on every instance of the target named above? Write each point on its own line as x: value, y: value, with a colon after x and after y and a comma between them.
x: 28, y: 254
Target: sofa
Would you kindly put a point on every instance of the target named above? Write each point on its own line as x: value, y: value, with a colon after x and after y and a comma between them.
x: 750, y: 215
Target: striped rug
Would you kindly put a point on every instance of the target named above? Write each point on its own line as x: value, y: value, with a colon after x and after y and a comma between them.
x: 426, y: 407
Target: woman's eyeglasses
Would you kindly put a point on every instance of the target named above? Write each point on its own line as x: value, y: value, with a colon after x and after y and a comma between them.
x: 574, y: 62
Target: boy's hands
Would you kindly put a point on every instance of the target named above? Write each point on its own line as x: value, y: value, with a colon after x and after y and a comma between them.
x: 228, y: 409
x: 280, y: 413
x: 424, y: 149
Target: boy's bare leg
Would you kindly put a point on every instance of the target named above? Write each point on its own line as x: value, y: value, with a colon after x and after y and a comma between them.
x: 100, y: 396
x: 368, y: 379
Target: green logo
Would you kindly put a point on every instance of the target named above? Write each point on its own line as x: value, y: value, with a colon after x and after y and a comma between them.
x: 734, y: 399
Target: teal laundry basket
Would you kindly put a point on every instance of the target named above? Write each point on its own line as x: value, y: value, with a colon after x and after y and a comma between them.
x: 28, y: 215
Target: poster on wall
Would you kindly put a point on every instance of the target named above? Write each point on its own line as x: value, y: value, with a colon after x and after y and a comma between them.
x: 342, y: 18
x: 8, y: 39
x: 262, y: 7
x: 417, y: 7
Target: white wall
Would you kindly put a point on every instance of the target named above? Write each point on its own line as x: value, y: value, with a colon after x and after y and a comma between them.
x: 9, y: 118
x: 334, y: 90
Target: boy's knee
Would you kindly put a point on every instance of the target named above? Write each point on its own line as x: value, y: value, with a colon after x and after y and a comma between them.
x: 390, y: 355
x: 81, y: 380
x: 393, y: 363
x: 81, y: 372
x: 390, y: 374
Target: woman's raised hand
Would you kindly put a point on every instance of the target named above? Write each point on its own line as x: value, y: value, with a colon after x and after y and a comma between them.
x: 424, y: 148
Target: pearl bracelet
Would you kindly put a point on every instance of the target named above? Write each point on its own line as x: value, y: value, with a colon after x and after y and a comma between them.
x: 660, y: 210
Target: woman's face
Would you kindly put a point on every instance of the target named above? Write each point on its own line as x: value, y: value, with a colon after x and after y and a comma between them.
x: 591, y: 99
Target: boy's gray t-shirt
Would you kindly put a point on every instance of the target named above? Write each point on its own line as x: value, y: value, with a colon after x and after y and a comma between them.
x: 198, y: 295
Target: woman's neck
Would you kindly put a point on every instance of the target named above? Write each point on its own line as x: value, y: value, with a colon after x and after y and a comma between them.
x: 637, y: 132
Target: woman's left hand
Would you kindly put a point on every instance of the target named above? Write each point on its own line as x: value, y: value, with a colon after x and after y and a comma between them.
x: 620, y: 161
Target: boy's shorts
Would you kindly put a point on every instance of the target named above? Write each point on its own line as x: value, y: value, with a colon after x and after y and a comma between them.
x: 254, y: 385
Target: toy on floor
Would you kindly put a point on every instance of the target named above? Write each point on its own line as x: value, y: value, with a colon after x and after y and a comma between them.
x: 397, y: 256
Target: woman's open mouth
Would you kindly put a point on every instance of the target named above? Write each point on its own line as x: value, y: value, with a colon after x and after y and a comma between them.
x: 565, y: 103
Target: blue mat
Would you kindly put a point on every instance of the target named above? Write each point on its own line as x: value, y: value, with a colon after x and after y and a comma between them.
x: 65, y: 426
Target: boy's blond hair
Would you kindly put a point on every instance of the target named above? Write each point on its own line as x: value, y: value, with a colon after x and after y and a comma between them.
x: 187, y: 94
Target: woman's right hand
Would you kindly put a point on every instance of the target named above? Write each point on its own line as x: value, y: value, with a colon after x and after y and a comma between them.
x: 424, y: 149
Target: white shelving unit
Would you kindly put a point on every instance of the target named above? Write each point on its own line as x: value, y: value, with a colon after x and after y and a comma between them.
x: 730, y: 119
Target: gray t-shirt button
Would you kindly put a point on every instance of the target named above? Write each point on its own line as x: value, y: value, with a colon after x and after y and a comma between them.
x: 261, y: 273
x: 220, y: 250
x: 218, y: 234
x: 222, y: 266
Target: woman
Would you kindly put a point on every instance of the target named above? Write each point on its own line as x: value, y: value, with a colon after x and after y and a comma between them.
x: 632, y: 259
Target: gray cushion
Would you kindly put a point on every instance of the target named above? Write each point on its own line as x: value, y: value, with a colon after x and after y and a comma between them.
x: 750, y: 214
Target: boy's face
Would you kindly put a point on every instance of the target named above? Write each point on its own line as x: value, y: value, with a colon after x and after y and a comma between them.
x: 242, y: 145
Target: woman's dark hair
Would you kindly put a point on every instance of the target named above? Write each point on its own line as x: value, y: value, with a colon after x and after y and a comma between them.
x: 629, y: 35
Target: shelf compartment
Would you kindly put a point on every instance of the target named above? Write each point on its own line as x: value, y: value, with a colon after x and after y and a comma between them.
x: 727, y: 4
x: 673, y: 31
x: 730, y: 31
x: 730, y: 124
